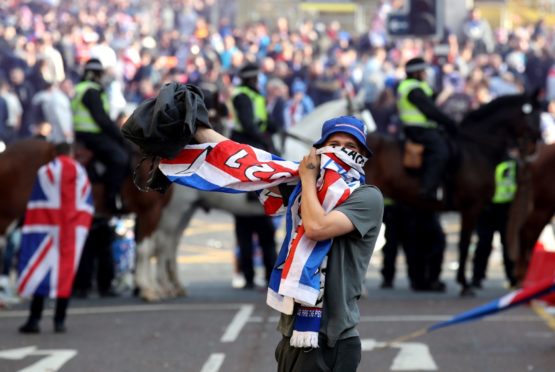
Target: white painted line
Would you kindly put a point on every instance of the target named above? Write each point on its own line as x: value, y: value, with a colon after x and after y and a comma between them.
x: 414, y: 318
x: 128, y: 309
x: 413, y: 356
x: 238, y: 322
x: 369, y: 344
x: 213, y: 363
x: 53, y: 362
x: 441, y: 318
x: 97, y: 310
x: 16, y: 354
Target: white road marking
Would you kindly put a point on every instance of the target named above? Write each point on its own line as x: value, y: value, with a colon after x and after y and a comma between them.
x: 54, y: 360
x: 16, y: 354
x: 441, y: 318
x: 238, y: 322
x: 213, y: 363
x: 412, y: 356
x: 414, y: 318
x: 95, y: 310
x: 129, y: 309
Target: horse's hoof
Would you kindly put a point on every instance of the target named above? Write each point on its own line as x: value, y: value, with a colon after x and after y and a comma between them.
x: 149, y: 296
x: 180, y: 292
x: 467, y: 292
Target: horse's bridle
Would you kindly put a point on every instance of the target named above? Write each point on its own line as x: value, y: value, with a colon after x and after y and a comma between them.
x: 530, y: 127
x: 154, y: 160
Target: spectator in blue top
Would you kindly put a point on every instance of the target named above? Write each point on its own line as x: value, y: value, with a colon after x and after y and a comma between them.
x: 298, y: 106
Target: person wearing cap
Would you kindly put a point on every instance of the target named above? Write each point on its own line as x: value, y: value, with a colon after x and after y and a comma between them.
x: 354, y: 226
x: 251, y: 128
x: 249, y: 106
x: 97, y: 132
x: 421, y: 120
x: 298, y: 106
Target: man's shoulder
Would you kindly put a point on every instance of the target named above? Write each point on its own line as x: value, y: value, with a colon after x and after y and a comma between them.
x: 369, y: 191
x: 366, y: 197
x: 240, y: 97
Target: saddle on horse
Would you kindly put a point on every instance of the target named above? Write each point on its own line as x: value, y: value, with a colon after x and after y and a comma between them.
x: 412, y: 155
x: 432, y: 167
x: 106, y: 181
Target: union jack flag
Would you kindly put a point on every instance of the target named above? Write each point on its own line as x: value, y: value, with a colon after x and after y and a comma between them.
x: 57, y: 221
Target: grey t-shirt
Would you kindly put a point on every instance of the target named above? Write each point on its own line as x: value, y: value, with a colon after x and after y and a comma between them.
x: 348, y: 261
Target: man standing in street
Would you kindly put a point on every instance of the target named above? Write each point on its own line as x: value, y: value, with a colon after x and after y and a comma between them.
x: 251, y: 128
x: 348, y: 230
x: 494, y: 218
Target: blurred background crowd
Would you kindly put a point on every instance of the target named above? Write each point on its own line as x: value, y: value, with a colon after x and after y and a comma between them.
x: 45, y: 43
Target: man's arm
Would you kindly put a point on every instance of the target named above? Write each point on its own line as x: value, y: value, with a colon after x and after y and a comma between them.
x: 208, y: 135
x: 418, y: 98
x: 93, y: 102
x: 318, y: 224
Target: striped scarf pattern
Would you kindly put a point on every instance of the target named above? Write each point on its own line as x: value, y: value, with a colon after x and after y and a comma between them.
x: 297, y: 281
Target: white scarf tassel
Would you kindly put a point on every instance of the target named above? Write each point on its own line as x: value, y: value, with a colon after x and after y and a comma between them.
x: 304, y: 339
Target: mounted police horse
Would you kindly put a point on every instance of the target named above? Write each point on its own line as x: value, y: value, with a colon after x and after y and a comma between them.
x: 19, y: 165
x: 485, y: 136
x: 161, y: 280
x: 533, y: 207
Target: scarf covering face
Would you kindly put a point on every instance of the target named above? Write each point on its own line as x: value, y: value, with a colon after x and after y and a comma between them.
x: 297, y: 281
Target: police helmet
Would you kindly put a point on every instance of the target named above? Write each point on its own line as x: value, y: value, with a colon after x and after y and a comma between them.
x: 415, y: 65
x: 248, y: 71
x: 94, y: 64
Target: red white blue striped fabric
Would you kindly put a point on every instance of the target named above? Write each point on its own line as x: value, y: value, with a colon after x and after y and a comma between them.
x: 228, y: 167
x: 506, y: 302
x: 57, y: 221
x: 298, y: 274
x: 233, y: 167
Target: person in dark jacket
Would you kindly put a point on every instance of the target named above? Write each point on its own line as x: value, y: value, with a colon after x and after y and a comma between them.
x: 94, y: 128
x: 421, y: 120
x: 251, y: 127
x: 493, y: 219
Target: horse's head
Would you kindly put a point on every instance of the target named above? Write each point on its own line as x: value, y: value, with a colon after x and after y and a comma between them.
x: 511, y: 121
x: 526, y: 126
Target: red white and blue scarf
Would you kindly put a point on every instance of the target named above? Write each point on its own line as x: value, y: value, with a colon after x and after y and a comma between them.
x: 299, y: 272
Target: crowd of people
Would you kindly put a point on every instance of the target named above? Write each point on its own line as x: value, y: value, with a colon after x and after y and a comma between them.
x: 142, y: 46
x: 45, y: 46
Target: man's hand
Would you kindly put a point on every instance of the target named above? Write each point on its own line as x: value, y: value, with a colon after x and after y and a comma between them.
x: 208, y: 135
x: 318, y: 224
x: 309, y: 167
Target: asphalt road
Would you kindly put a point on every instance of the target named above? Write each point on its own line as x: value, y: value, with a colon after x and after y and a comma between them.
x: 217, y: 328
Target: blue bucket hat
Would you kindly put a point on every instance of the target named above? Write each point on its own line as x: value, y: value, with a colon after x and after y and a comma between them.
x: 298, y: 86
x: 345, y: 124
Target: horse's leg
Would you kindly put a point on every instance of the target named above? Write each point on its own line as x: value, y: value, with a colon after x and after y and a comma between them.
x: 173, y: 249
x: 4, y: 279
x: 147, y: 223
x: 172, y: 269
x: 143, y: 275
x: 6, y: 257
x: 162, y: 278
x: 529, y: 234
x: 468, y: 222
